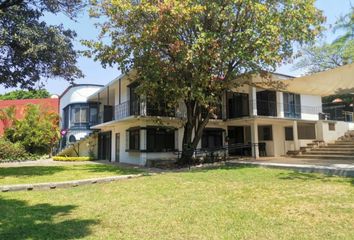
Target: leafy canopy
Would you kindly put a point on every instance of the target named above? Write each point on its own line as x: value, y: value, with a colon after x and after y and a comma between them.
x: 322, y: 57
x: 23, y: 94
x: 30, y: 48
x: 194, y: 50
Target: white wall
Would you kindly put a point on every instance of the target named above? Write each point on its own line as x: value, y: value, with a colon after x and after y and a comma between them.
x: 310, y: 107
x: 76, y: 94
x: 329, y: 136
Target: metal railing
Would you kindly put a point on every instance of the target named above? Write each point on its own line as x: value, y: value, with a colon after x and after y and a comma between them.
x: 337, y: 113
x: 211, y: 155
x: 264, y: 108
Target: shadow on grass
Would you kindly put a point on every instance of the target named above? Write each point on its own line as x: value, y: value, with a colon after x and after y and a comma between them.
x: 225, y: 167
x: 30, y: 171
x: 20, y: 220
x: 112, y: 169
x: 314, y: 176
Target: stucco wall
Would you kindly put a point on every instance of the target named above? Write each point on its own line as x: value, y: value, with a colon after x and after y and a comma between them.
x: 311, y: 106
x: 329, y: 136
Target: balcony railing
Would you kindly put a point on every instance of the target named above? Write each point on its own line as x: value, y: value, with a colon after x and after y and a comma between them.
x: 140, y: 108
x: 337, y: 113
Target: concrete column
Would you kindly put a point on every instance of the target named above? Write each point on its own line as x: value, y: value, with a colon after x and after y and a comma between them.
x: 143, y: 145
x: 254, y: 139
x: 253, y: 101
x: 296, y: 137
x: 116, y: 102
x: 113, y: 146
x: 280, y: 105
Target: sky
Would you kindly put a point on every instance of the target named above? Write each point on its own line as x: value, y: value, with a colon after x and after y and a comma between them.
x: 96, y: 74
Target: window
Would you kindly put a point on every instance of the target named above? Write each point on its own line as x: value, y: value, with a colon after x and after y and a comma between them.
x: 331, y: 126
x: 212, y: 138
x: 93, y: 115
x: 292, y: 105
x: 289, y: 134
x: 238, y: 105
x: 79, y: 114
x: 265, y: 133
x: 306, y: 131
x: 134, y: 139
x: 160, y: 139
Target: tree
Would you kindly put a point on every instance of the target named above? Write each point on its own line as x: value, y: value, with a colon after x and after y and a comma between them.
x: 322, y: 57
x: 194, y: 50
x: 23, y: 94
x: 38, y: 131
x: 30, y: 48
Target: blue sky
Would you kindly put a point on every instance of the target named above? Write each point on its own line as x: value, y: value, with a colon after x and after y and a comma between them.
x: 95, y: 73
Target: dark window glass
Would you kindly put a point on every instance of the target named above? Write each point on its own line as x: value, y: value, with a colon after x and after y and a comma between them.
x: 93, y: 115
x: 134, y: 139
x: 212, y: 138
x: 266, y: 103
x: 289, y: 134
x: 292, y: 105
x: 160, y: 140
x: 238, y: 105
x: 265, y: 133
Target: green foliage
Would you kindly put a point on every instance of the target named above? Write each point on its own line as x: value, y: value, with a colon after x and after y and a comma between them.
x: 38, y: 131
x: 192, y: 50
x: 30, y: 48
x: 348, y: 98
x: 72, y: 159
x: 322, y: 57
x: 23, y: 94
x: 13, y: 152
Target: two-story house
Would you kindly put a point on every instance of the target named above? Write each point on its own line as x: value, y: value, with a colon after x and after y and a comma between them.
x: 271, y: 122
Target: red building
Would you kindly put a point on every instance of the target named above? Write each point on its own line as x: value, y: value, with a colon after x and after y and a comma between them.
x: 51, y: 104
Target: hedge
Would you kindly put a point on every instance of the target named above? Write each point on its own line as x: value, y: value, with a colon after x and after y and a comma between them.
x: 72, y: 159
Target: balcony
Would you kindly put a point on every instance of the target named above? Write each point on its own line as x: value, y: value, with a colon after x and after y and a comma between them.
x: 140, y: 108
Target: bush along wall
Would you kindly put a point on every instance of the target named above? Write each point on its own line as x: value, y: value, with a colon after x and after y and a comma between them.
x: 10, y: 152
x: 72, y: 159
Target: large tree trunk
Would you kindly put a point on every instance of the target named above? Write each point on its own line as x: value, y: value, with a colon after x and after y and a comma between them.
x: 195, y: 124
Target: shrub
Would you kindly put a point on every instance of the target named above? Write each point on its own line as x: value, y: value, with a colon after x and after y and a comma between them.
x: 72, y: 159
x: 10, y: 152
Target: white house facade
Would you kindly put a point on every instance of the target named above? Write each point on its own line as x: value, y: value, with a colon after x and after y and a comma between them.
x: 77, y: 115
x: 266, y: 122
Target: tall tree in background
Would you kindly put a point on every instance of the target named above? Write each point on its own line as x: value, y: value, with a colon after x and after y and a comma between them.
x: 194, y: 50
x: 318, y: 58
x: 24, y: 94
x: 30, y: 49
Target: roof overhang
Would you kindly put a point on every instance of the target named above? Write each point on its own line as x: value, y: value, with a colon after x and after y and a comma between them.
x: 334, y: 81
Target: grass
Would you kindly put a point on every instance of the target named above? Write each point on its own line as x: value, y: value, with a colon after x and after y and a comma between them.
x: 226, y: 203
x: 40, y: 174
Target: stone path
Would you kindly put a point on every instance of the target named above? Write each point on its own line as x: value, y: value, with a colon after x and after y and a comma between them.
x: 343, y: 169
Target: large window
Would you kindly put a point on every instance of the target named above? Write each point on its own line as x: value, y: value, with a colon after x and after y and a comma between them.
x: 292, y: 105
x: 265, y: 133
x: 94, y: 114
x: 160, y: 139
x: 212, y: 138
x: 79, y: 115
x: 134, y: 139
x: 238, y: 105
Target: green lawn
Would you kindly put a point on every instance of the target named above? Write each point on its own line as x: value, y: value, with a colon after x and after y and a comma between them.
x: 40, y: 174
x: 228, y: 203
